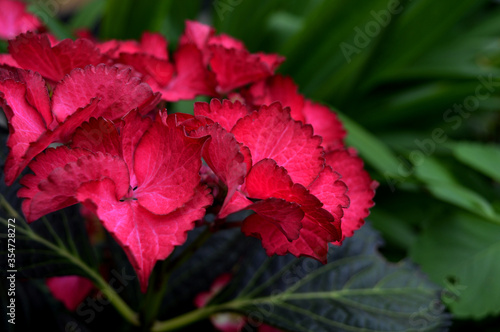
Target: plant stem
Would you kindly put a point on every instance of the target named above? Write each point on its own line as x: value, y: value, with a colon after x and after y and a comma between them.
x: 99, y: 282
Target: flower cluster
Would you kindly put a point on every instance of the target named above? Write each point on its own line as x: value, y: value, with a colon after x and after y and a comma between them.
x: 148, y: 175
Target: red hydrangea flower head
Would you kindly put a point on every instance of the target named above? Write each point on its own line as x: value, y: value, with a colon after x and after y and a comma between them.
x: 283, y: 162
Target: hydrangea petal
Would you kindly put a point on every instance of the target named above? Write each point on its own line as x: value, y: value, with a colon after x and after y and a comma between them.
x: 361, y: 188
x: 331, y: 191
x: 235, y: 68
x: 196, y: 33
x: 42, y: 166
x: 37, y: 94
x: 34, y: 51
x: 278, y: 88
x: 167, y: 165
x: 326, y: 124
x: 8, y: 60
x: 319, y: 227
x: 145, y: 237
x: 98, y: 135
x: 191, y: 78
x: 25, y: 125
x: 61, y: 133
x: 58, y: 190
x: 117, y: 91
x: 222, y: 154
x: 70, y: 290
x: 285, y: 216
x: 272, y: 133
x: 134, y: 127
x: 237, y: 203
x: 226, y: 113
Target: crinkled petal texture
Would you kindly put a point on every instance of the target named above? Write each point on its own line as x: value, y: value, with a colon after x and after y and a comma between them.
x: 58, y: 189
x: 15, y: 19
x: 326, y: 124
x: 148, y: 219
x: 361, y: 188
x: 226, y: 113
x: 317, y: 228
x: 117, y: 92
x: 167, y: 165
x: 279, y: 88
x: 146, y: 237
x: 42, y: 167
x: 272, y: 133
x: 70, y: 290
x: 286, y: 160
x: 35, y: 52
x: 85, y: 93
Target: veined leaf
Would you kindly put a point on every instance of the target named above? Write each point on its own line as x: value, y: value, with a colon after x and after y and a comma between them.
x: 48, y: 247
x: 358, y: 290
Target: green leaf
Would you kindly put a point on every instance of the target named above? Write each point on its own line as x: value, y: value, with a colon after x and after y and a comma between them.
x: 358, y: 290
x: 443, y: 186
x: 461, y: 253
x: 483, y: 158
x: 376, y: 153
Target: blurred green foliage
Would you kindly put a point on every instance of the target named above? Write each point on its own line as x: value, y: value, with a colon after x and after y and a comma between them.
x: 417, y: 83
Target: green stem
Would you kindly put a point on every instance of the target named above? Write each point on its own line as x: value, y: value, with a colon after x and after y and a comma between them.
x: 99, y: 282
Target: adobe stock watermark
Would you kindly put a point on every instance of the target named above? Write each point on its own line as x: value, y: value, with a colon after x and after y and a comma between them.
x: 371, y: 29
x: 47, y: 9
x: 91, y: 305
x: 454, y: 116
x: 222, y: 7
x: 431, y: 314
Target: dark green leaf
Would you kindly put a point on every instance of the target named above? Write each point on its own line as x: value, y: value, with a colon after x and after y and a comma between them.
x: 358, y: 290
